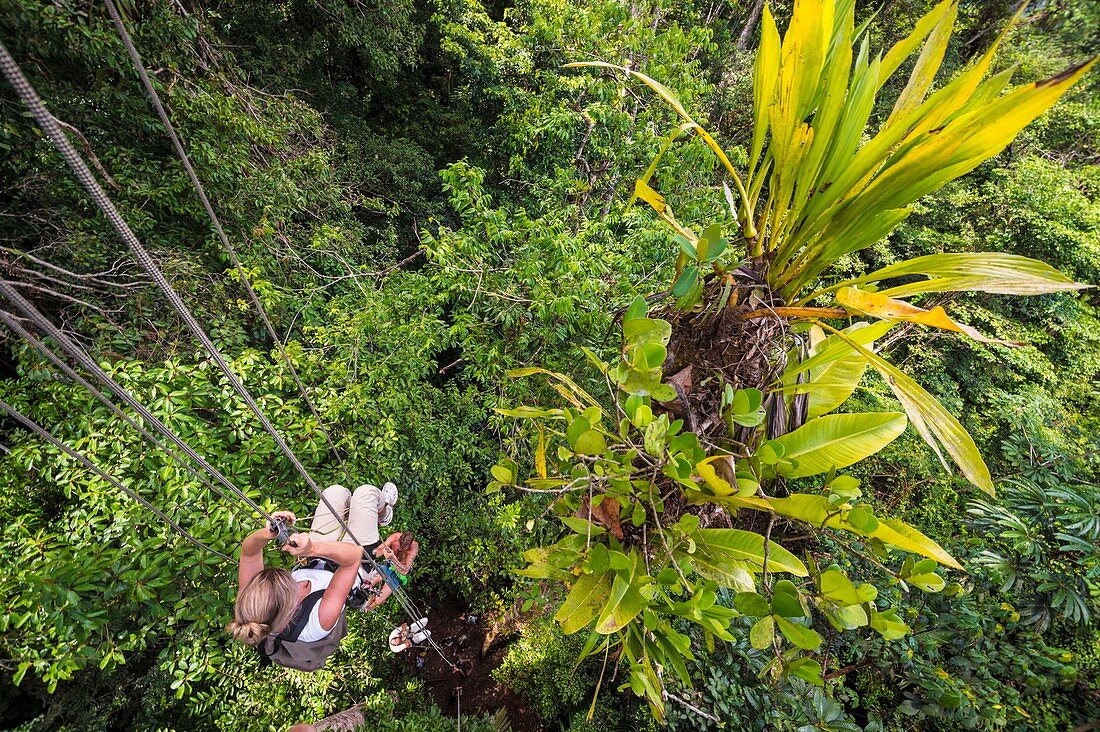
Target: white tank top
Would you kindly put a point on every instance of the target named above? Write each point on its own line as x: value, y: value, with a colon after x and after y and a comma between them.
x: 318, y: 579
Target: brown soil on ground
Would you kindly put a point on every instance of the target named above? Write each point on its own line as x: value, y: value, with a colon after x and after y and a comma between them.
x: 461, y: 636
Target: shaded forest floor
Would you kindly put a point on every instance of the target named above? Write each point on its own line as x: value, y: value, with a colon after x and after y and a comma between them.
x: 468, y: 643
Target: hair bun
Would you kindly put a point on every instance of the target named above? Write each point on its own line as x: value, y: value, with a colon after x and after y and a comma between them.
x: 250, y: 633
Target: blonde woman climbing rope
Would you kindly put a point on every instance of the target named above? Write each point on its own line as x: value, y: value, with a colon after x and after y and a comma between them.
x: 296, y: 617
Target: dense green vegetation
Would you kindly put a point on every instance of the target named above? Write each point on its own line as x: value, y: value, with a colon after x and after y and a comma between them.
x: 424, y: 199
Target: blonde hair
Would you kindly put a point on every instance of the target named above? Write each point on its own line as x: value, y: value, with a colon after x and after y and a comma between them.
x: 264, y: 606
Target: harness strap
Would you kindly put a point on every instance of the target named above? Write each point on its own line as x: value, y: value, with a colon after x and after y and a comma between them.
x: 301, y: 617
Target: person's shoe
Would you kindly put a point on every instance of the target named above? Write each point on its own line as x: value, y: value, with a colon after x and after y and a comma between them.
x: 389, y: 498
x: 418, y: 626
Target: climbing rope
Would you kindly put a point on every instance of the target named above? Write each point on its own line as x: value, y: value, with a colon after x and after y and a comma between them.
x: 29, y: 424
x: 45, y: 351
x: 201, y: 192
x: 86, y: 362
x: 50, y: 126
x: 65, y: 148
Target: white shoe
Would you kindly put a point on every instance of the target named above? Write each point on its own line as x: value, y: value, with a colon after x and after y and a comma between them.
x: 419, y: 625
x: 389, y: 498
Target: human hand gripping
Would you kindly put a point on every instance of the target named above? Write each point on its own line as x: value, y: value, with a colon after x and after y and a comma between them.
x: 277, y: 527
x: 299, y: 545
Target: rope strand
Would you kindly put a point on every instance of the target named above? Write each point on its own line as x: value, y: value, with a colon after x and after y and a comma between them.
x: 29, y: 424
x: 62, y: 144
x: 86, y: 362
x: 201, y: 191
x: 45, y: 351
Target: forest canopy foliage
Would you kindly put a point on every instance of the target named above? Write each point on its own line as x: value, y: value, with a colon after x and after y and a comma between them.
x: 427, y: 199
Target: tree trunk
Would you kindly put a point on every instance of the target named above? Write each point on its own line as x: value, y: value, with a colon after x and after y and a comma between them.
x: 348, y: 720
x: 750, y: 24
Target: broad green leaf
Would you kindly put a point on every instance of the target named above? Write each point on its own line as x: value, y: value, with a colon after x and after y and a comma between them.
x: 816, y: 511
x: 762, y: 633
x: 751, y: 603
x: 786, y: 599
x: 598, y: 561
x: 833, y: 348
x: 545, y: 571
x: 993, y: 272
x: 624, y: 602
x: 863, y: 520
x: 888, y: 624
x: 837, y: 588
x: 924, y: 71
x: 588, y: 595
x: 590, y: 442
x: 581, y: 526
x: 577, y: 427
x: 930, y: 582
x: 806, y: 669
x: 805, y: 638
x: 847, y: 617
x: 839, y: 440
x: 934, y: 423
x: 645, y: 330
x: 717, y: 547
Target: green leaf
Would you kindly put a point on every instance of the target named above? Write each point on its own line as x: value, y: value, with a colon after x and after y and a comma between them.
x: 588, y: 595
x: 762, y: 633
x: 503, y: 474
x: 930, y: 582
x: 581, y: 526
x: 847, y: 617
x: 624, y: 603
x: 590, y: 442
x: 815, y: 510
x: 863, y: 520
x: 685, y: 246
x: 993, y: 272
x: 839, y: 440
x: 598, y: 561
x: 837, y: 588
x: 751, y: 603
x: 638, y: 309
x: 645, y: 330
x: 785, y: 600
x: 805, y: 638
x: 576, y: 428
x: 718, y: 547
x: 888, y: 625
x: 687, y: 279
x: 806, y: 669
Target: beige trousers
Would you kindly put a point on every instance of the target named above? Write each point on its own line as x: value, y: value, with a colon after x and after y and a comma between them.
x: 361, y: 511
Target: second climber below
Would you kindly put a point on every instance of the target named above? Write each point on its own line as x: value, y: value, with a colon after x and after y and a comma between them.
x: 398, y: 552
x: 296, y: 617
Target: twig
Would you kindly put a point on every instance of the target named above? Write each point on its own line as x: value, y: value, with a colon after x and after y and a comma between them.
x: 88, y: 152
x: 688, y: 705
